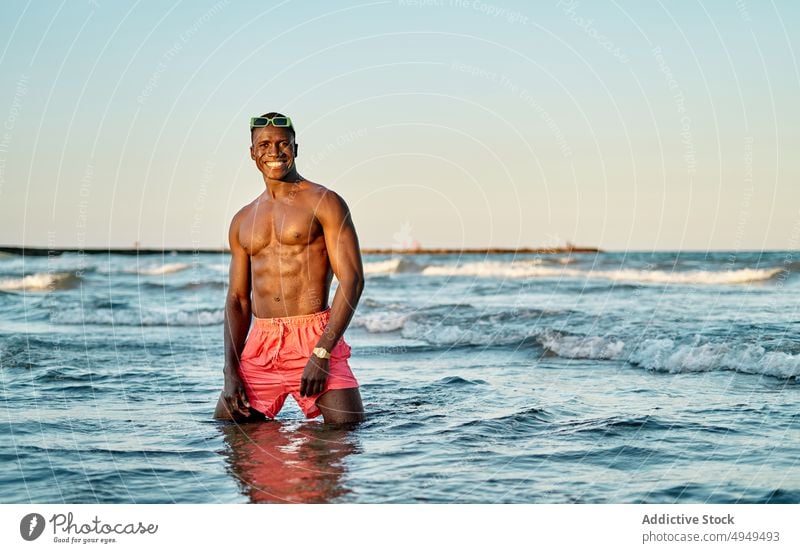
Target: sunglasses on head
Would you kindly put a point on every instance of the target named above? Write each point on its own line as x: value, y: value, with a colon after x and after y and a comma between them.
x: 278, y: 121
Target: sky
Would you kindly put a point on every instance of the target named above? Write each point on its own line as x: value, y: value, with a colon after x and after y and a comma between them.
x: 623, y: 125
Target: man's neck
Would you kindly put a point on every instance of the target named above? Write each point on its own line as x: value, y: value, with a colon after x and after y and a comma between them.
x: 279, y: 188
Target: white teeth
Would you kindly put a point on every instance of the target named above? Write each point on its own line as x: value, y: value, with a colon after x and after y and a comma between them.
x: 274, y: 163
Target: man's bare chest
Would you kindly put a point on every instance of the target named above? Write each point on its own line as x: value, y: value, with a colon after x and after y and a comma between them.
x: 271, y: 225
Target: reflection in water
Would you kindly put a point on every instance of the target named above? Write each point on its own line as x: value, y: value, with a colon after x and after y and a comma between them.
x: 289, y: 462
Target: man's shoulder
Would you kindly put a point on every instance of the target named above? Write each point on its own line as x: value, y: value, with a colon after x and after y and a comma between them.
x: 243, y: 212
x: 317, y: 190
x: 321, y: 198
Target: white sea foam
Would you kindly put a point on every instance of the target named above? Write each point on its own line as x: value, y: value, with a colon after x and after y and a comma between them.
x: 165, y: 269
x: 40, y: 282
x: 658, y: 354
x: 581, y: 347
x: 445, y: 335
x: 664, y: 354
x: 532, y: 269
x: 456, y: 335
x: 386, y: 267
x: 739, y: 276
x: 510, y: 269
x: 392, y: 266
x: 380, y: 322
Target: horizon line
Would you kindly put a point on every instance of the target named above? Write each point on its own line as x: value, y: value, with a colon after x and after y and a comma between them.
x: 45, y: 251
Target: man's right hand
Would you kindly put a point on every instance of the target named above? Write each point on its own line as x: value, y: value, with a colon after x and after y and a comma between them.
x: 234, y: 395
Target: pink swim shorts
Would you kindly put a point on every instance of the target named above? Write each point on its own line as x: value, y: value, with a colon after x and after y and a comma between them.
x: 275, y: 355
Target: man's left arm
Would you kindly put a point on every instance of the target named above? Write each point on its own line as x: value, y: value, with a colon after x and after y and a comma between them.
x: 344, y: 254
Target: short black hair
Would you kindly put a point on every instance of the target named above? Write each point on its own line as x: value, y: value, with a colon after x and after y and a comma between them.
x: 271, y: 115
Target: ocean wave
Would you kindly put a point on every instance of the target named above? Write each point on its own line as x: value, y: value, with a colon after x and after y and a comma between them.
x: 620, y: 425
x: 449, y: 335
x: 452, y: 323
x: 165, y: 269
x: 386, y: 267
x: 581, y: 347
x: 126, y: 317
x: 41, y: 282
x: 739, y: 276
x: 392, y: 266
x: 372, y: 302
x: 510, y: 269
x: 529, y: 416
x: 186, y: 287
x: 656, y: 354
x: 667, y: 355
x: 380, y: 322
x: 532, y: 269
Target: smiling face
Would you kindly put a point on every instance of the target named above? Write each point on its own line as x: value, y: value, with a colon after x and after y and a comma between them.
x: 273, y: 150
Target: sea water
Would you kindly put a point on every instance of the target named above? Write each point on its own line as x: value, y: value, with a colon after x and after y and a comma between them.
x: 609, y: 377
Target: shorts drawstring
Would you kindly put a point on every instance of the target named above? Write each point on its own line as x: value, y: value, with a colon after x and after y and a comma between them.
x: 280, y: 339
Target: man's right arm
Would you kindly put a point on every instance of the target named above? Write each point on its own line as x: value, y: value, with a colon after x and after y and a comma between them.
x: 237, y: 303
x: 237, y: 320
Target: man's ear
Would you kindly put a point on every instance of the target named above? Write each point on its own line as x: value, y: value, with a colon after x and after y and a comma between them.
x: 295, y: 149
x: 252, y: 154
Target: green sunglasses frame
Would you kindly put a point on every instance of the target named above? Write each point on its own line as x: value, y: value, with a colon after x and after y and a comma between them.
x: 270, y: 120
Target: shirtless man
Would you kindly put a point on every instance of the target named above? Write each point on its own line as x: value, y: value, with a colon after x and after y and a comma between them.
x: 286, y: 246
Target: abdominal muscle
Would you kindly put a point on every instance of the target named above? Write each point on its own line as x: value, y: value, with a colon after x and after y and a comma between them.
x: 292, y: 281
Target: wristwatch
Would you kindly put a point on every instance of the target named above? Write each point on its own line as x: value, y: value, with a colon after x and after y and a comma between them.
x: 322, y: 353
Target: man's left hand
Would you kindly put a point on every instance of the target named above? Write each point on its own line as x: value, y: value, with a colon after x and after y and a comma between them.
x: 315, y: 376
